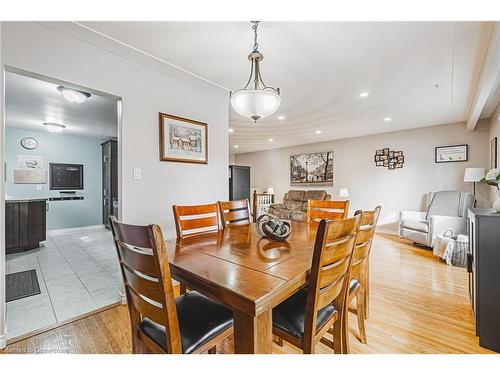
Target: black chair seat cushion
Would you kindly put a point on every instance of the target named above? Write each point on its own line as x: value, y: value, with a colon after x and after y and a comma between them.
x: 290, y: 314
x: 200, y: 320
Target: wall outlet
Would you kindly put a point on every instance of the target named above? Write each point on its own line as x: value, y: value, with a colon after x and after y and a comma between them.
x: 38, y: 187
x: 137, y: 173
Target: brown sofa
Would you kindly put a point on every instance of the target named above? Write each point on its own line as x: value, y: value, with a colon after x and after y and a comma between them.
x: 294, y: 206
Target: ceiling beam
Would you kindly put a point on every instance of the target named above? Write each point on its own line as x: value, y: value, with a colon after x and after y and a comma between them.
x: 489, y: 69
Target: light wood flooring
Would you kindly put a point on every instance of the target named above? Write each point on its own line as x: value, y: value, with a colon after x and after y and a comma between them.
x: 418, y: 305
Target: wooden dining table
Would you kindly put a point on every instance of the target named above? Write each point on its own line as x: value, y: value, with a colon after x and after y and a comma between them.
x: 247, y: 273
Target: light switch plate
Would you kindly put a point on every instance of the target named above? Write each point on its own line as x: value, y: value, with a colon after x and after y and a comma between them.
x: 137, y: 173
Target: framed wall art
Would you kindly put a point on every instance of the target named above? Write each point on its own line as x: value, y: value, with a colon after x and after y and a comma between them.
x: 312, y: 169
x: 389, y: 158
x: 451, y: 154
x: 183, y: 140
x: 493, y: 153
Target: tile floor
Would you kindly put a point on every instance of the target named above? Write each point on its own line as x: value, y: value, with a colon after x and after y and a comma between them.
x: 78, y: 272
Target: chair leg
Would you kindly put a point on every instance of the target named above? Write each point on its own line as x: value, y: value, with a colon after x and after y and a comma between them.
x: 360, y: 314
x: 337, y: 337
x: 138, y: 347
x: 212, y: 350
x: 182, y: 289
x: 279, y: 341
x: 366, y: 286
x: 344, y: 334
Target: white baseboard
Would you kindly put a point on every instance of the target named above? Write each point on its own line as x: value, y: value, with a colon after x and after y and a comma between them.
x: 63, y: 230
x: 3, y: 341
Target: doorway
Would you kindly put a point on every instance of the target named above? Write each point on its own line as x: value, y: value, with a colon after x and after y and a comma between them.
x: 62, y: 181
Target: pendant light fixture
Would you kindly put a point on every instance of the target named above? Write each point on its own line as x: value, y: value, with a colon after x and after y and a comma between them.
x: 256, y: 100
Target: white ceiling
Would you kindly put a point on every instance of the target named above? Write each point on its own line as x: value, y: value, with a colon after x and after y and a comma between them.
x: 417, y: 73
x: 30, y: 101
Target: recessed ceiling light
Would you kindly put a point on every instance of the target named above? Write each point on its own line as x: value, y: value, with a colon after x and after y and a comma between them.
x: 363, y: 94
x: 236, y: 146
x: 318, y: 132
x: 73, y: 96
x: 387, y: 119
x: 230, y: 130
x: 281, y: 117
x: 53, y: 127
x: 270, y: 140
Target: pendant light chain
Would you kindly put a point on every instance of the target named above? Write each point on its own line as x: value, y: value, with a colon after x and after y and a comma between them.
x: 254, y: 27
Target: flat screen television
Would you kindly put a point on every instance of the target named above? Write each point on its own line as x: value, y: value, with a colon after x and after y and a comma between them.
x: 66, y: 176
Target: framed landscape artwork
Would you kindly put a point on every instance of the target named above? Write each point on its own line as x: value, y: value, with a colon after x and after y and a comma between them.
x: 312, y: 169
x: 493, y: 153
x: 183, y: 140
x: 450, y: 154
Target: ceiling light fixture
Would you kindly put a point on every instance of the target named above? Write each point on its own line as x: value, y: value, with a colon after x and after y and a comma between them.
x: 256, y: 100
x: 230, y: 130
x: 363, y: 95
x: 270, y: 140
x: 281, y: 117
x: 73, y: 96
x: 236, y: 146
x: 318, y: 132
x: 387, y: 119
x: 53, y: 127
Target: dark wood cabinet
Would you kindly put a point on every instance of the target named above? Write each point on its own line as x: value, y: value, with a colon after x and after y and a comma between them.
x: 483, y: 265
x: 109, y: 180
x: 239, y: 182
x: 25, y: 224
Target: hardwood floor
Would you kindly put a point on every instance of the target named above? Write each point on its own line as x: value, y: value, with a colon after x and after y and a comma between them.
x: 418, y: 305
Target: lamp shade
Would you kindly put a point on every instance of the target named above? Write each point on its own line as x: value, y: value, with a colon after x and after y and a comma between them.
x: 270, y: 190
x: 255, y: 104
x: 473, y: 174
x: 344, y: 193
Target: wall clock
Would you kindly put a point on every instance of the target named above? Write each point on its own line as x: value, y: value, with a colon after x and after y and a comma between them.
x: 29, y: 143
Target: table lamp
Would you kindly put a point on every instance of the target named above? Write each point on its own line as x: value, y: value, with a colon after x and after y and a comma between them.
x: 270, y: 191
x: 474, y: 175
x: 344, y: 193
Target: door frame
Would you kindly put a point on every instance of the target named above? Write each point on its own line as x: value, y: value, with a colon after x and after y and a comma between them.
x: 119, y: 108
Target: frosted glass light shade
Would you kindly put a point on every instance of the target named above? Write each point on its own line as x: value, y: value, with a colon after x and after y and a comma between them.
x: 73, y: 96
x: 255, y: 104
x: 473, y: 174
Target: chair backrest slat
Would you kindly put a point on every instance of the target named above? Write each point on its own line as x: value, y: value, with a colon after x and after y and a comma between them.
x: 234, y: 212
x: 146, y: 275
x: 331, y: 263
x: 364, y: 242
x: 329, y: 210
x: 191, y: 220
x: 137, y: 259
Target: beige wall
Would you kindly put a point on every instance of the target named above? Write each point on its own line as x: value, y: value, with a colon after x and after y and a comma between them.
x: 394, y: 190
x: 494, y: 132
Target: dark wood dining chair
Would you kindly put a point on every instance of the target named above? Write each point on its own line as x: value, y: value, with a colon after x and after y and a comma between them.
x: 192, y: 220
x: 161, y: 323
x: 305, y: 317
x: 234, y: 212
x: 329, y: 210
x: 358, y: 288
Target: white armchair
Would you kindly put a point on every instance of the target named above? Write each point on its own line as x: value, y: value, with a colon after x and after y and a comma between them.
x: 446, y: 210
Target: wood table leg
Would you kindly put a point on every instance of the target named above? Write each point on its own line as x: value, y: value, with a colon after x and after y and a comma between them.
x: 253, y: 334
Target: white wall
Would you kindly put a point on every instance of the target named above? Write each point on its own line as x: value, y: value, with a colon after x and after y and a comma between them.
x: 368, y: 185
x: 145, y: 92
x: 494, y: 132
